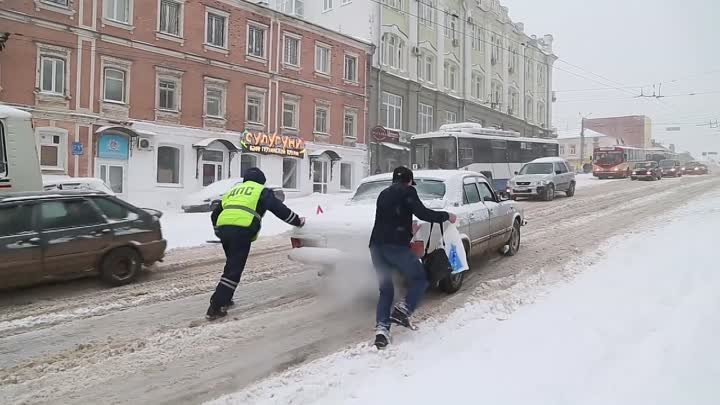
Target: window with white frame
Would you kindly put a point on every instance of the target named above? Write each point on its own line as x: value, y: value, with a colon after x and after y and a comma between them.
x: 541, y: 75
x: 214, y: 100
x: 255, y: 107
x: 393, y: 51
x: 426, y: 67
x: 477, y: 89
x: 351, y: 68
x: 541, y: 114
x: 393, y: 3
x: 62, y: 3
x: 392, y: 110
x: 322, y: 59
x: 451, y: 76
x: 256, y: 41
x: 450, y: 24
x: 346, y: 176
x: 53, y: 145
x: 528, y: 72
x: 327, y: 5
x: 216, y: 28
x: 293, y: 7
x: 114, y: 85
x: 478, y: 37
x: 117, y: 10
x: 496, y: 94
x: 513, y: 101
x: 168, y: 165
x: 425, y: 118
x: 168, y: 89
x: 291, y: 53
x: 290, y: 112
x: 426, y: 13
x: 529, y: 109
x: 350, y: 124
x: 497, y: 49
x: 573, y: 149
x: 450, y: 117
x: 322, y: 118
x: 561, y: 150
x: 52, y: 74
x: 170, y: 17
x: 291, y: 170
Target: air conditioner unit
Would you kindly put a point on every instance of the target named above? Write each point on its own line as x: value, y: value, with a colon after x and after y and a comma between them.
x: 144, y: 144
x: 456, y: 42
x: 416, y: 51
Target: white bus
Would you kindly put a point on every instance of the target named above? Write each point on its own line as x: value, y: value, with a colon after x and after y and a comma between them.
x: 19, y: 163
x: 495, y: 153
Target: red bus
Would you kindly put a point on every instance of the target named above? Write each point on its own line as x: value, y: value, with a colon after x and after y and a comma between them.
x: 616, y: 161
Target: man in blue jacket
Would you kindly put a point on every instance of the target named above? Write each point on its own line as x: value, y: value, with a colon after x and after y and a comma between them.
x: 237, y: 220
x: 390, y: 250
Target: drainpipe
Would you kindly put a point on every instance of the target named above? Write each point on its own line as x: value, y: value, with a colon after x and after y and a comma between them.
x: 464, y: 65
x: 379, y: 88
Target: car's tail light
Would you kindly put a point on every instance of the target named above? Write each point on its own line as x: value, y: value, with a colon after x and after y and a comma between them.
x: 418, y: 247
x: 296, y: 243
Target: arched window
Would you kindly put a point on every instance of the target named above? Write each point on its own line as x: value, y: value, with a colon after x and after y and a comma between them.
x: 168, y: 165
x: 393, y: 51
x: 452, y: 75
x: 529, y: 109
x: 478, y: 85
x: 426, y: 67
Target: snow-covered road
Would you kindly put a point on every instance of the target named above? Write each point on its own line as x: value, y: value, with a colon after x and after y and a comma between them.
x: 79, y: 343
x: 639, y: 326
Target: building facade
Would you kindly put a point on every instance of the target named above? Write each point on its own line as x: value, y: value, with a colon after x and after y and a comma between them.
x: 634, y: 130
x: 162, y: 97
x: 569, y: 144
x: 443, y: 61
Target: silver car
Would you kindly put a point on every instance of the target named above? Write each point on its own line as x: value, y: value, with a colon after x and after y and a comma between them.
x: 337, y: 240
x: 542, y: 178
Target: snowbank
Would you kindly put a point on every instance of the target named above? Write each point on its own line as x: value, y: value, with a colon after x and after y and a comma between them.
x: 638, y: 325
x: 193, y: 229
x: 586, y: 180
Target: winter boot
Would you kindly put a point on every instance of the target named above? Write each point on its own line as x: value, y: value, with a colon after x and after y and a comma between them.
x: 215, y: 312
x: 400, y: 315
x: 382, y: 337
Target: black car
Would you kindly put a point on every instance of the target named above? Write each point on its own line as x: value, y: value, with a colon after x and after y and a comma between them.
x: 671, y: 168
x: 695, y: 168
x: 646, y: 171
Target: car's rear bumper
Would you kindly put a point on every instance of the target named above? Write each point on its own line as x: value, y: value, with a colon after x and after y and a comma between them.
x: 153, y: 251
x: 672, y: 174
x: 644, y: 176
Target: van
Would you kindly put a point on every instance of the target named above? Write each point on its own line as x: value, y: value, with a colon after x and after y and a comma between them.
x: 19, y: 162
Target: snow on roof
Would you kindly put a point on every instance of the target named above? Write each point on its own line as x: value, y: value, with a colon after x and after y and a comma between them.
x: 589, y: 133
x: 442, y: 175
x: 548, y: 160
x: 11, y: 112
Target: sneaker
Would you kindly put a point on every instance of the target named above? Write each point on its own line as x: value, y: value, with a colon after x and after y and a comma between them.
x: 215, y: 312
x: 382, y: 337
x: 401, y: 317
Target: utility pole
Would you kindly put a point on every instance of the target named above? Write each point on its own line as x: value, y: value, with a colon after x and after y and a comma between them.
x: 582, y: 142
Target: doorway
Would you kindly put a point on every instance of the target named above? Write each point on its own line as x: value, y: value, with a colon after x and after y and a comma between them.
x: 114, y: 174
x: 212, y: 166
x: 320, y: 176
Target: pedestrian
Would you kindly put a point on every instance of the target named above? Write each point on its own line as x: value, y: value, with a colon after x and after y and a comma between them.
x: 237, y: 220
x: 390, y: 251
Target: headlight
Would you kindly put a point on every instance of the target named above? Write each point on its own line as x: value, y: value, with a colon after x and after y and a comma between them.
x: 649, y: 173
x: 672, y: 170
x: 683, y: 168
x: 542, y: 182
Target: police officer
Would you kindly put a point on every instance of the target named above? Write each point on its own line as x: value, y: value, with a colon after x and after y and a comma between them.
x: 237, y: 221
x: 390, y: 251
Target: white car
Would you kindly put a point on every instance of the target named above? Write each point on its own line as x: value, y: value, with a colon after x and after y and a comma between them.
x: 337, y: 241
x: 543, y: 178
x: 205, y: 199
x: 61, y: 182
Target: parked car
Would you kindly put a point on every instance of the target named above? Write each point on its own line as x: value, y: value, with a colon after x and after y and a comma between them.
x: 695, y: 168
x: 51, y: 235
x: 75, y: 183
x: 542, y: 178
x: 646, y: 171
x: 206, y: 199
x: 338, y: 240
x: 671, y: 168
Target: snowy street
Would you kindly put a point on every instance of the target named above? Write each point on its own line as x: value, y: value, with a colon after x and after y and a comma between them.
x: 640, y: 312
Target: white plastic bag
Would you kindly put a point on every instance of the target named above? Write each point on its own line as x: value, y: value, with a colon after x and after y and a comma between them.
x: 455, y: 249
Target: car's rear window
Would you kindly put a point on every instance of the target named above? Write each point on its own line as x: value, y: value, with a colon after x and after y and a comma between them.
x: 426, y: 189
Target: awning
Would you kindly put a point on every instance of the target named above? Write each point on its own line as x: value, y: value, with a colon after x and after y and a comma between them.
x: 330, y: 153
x: 395, y: 146
x: 125, y: 130
x: 207, y: 141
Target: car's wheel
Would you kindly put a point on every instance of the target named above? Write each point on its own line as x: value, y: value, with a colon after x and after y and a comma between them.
x: 549, y: 193
x: 514, y: 198
x: 452, y: 283
x: 514, y: 242
x: 120, y: 266
x: 571, y: 190
x: 633, y: 178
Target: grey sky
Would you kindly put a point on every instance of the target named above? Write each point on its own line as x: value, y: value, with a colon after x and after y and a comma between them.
x: 634, y: 43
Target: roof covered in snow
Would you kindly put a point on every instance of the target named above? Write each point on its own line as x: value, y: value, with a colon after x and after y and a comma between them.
x: 442, y: 175
x: 575, y: 133
x: 548, y: 160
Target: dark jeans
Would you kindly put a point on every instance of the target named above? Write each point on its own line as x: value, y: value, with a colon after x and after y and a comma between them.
x: 388, y: 259
x: 236, y: 244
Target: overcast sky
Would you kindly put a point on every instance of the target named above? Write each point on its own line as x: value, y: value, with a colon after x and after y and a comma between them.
x: 634, y: 44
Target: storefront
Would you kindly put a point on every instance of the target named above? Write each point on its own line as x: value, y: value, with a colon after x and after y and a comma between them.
x: 390, y: 149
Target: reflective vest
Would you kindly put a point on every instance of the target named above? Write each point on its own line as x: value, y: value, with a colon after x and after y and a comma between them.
x: 240, y: 205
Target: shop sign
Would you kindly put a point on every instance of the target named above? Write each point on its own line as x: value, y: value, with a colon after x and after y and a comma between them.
x: 272, y: 144
x: 382, y: 134
x: 113, y: 146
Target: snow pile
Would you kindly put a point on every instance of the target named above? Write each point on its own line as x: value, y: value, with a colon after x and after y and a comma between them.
x: 193, y: 229
x: 585, y: 180
x: 638, y: 325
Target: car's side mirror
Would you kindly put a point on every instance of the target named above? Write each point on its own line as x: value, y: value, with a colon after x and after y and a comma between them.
x: 558, y: 172
x: 516, y: 173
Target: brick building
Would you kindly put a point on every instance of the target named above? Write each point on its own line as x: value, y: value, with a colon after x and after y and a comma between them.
x: 162, y: 97
x: 634, y: 130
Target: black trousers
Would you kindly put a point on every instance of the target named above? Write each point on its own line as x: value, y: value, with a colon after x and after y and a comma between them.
x: 236, y: 244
